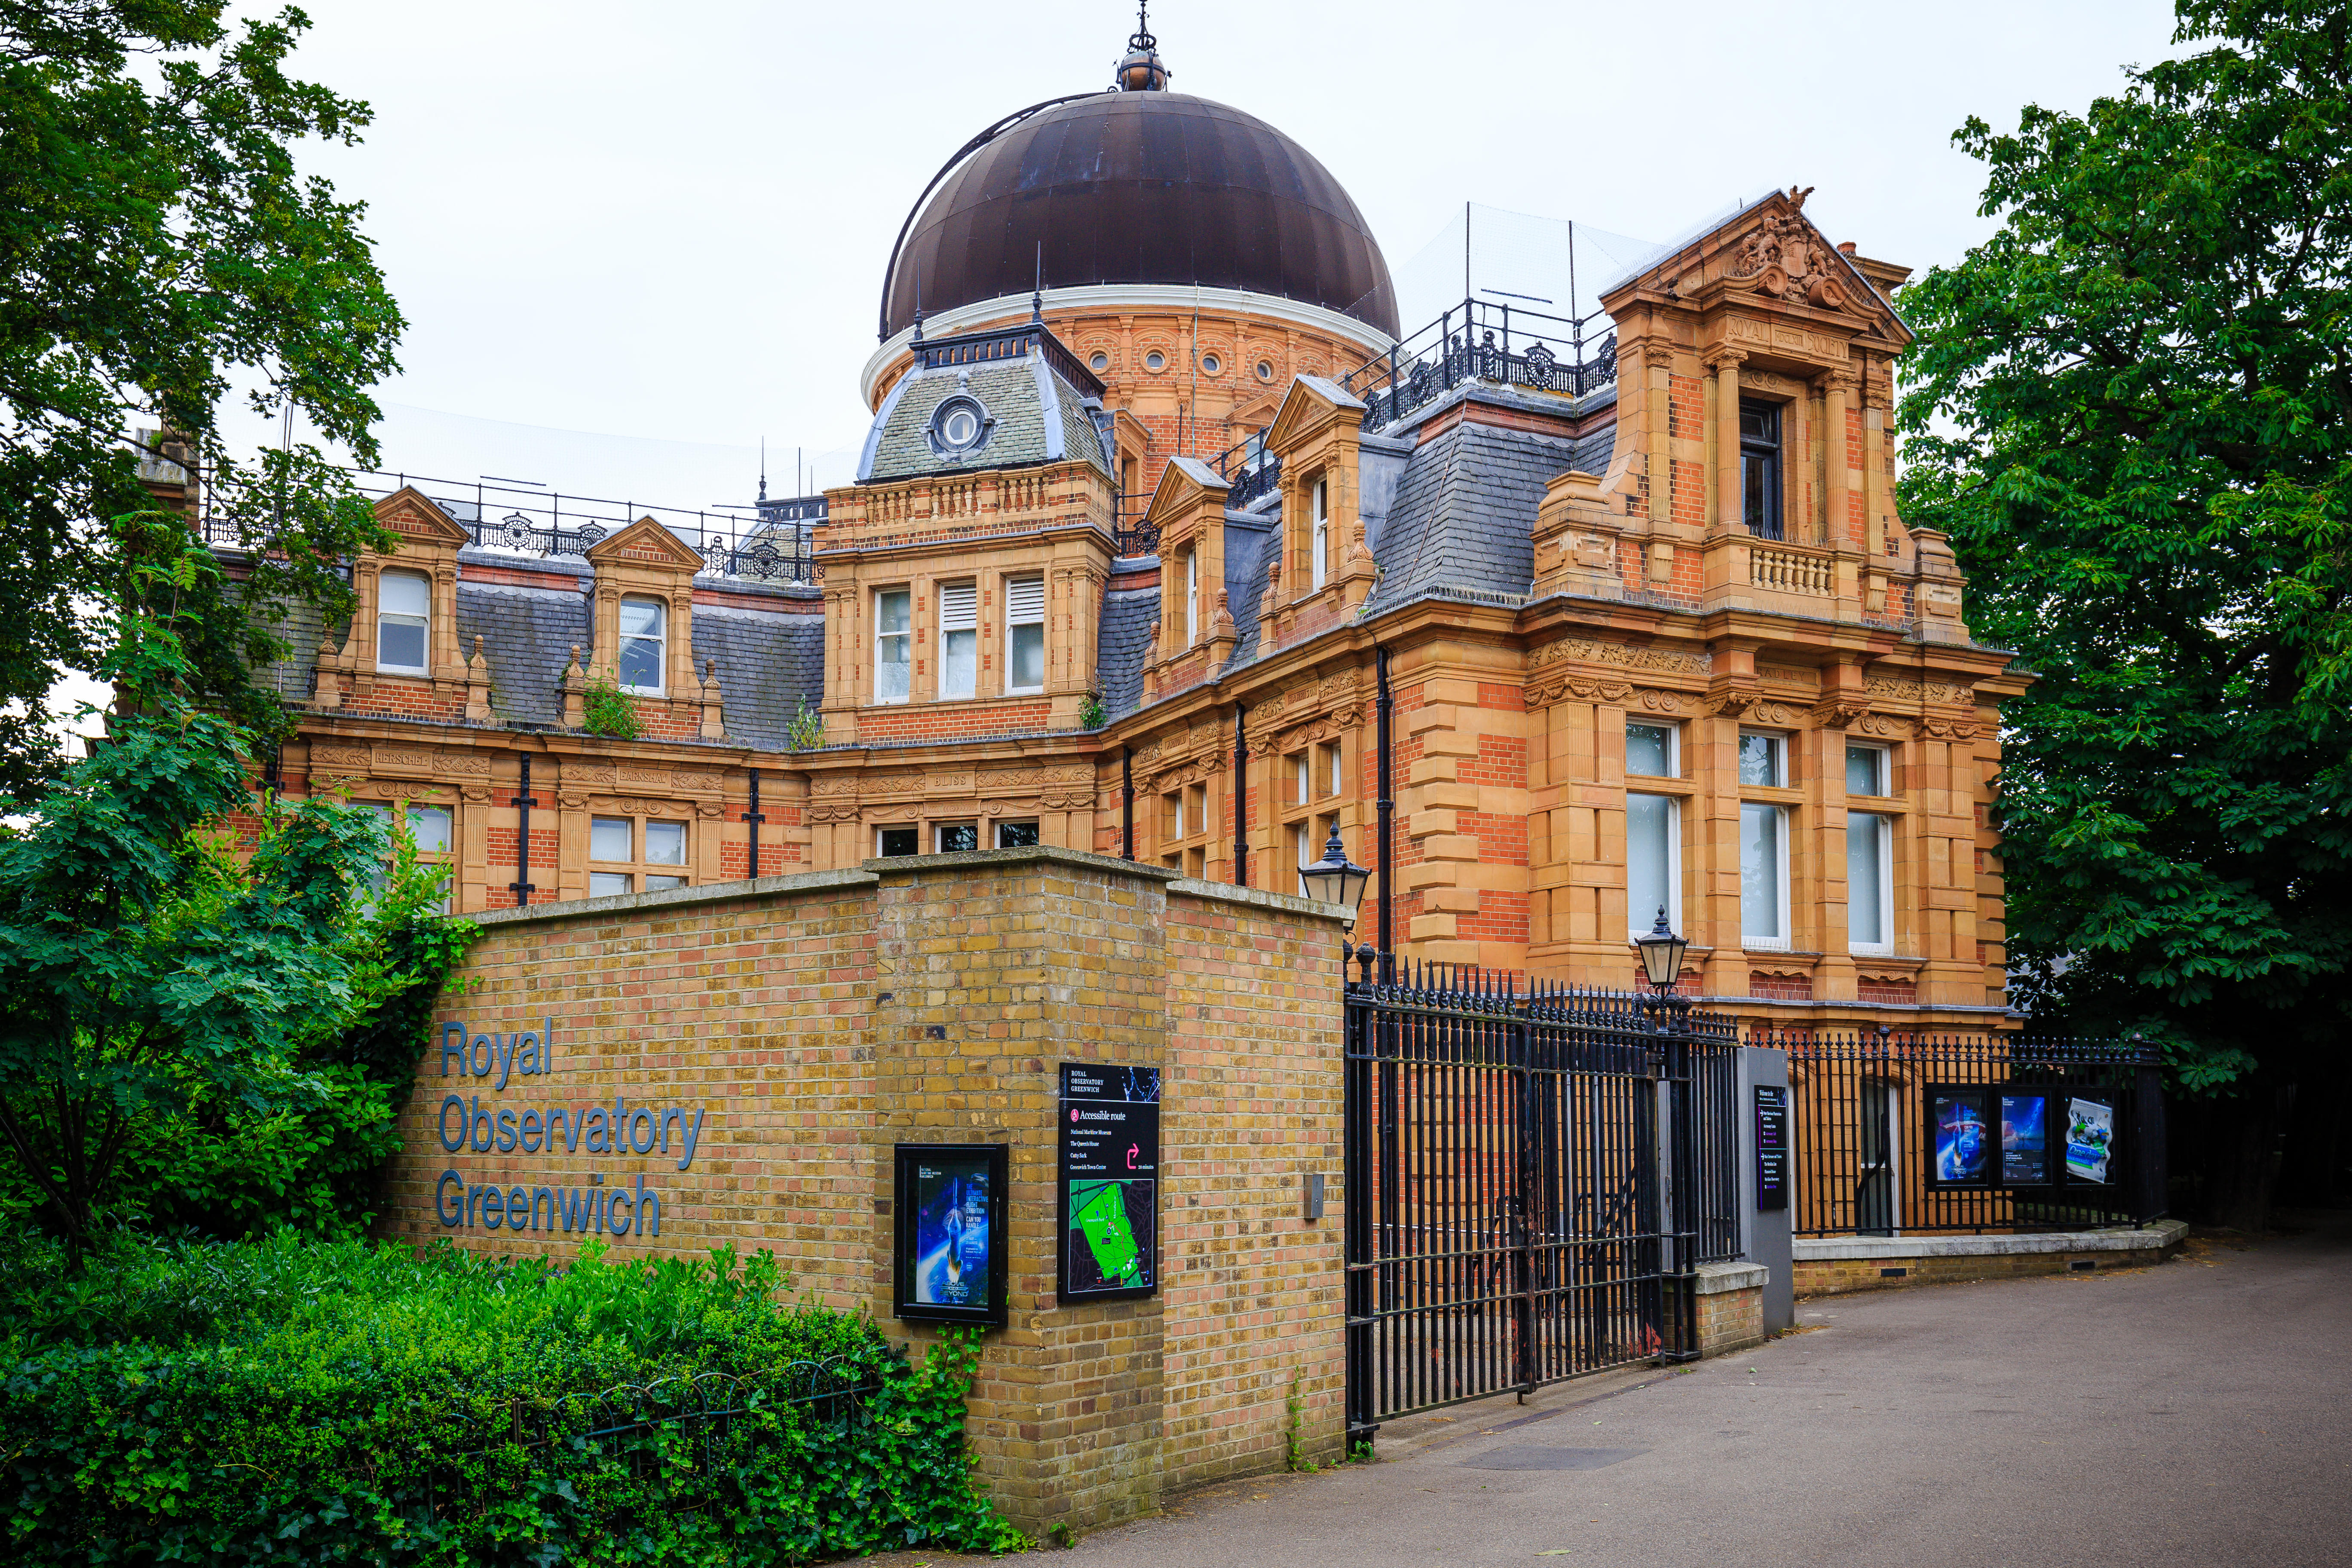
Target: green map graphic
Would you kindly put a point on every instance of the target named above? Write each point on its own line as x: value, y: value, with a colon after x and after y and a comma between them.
x: 1099, y: 1210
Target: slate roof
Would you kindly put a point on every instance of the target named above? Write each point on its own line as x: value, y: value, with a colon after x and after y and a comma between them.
x: 767, y: 663
x: 527, y: 634
x: 1040, y: 418
x: 1249, y: 538
x: 1462, y: 522
x: 1128, y: 617
x: 291, y: 677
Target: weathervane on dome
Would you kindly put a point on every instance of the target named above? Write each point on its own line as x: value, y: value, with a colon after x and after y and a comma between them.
x: 1142, y: 71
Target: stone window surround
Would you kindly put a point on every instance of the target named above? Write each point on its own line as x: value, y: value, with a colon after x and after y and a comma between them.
x: 637, y: 868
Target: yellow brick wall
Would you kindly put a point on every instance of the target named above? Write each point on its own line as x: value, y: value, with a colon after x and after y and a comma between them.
x: 824, y: 1018
x: 1254, y: 1298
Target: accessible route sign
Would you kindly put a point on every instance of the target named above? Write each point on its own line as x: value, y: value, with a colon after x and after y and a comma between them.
x: 1109, y: 1182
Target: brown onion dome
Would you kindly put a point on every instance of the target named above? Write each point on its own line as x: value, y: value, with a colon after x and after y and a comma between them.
x: 1140, y: 186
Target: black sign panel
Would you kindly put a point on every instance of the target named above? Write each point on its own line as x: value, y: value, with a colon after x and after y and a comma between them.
x: 1109, y: 1182
x: 1771, y: 1147
x: 952, y: 1249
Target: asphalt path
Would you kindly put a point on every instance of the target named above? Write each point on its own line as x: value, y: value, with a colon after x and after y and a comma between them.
x: 2194, y: 1412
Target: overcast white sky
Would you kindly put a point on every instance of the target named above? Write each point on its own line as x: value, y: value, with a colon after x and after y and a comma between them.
x: 664, y: 226
x: 631, y: 240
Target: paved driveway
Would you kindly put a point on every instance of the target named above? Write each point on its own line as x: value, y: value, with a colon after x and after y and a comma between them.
x: 2198, y: 1412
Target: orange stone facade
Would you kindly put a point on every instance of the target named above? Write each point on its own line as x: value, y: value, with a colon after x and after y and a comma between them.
x: 1648, y: 602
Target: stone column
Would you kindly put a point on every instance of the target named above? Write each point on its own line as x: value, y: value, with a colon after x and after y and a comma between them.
x: 1837, y: 387
x: 1725, y: 364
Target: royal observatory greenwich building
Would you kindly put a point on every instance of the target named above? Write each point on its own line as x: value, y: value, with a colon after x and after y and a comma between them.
x: 1159, y: 503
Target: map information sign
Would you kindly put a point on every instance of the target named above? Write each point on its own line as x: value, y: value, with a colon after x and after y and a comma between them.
x: 1109, y: 1181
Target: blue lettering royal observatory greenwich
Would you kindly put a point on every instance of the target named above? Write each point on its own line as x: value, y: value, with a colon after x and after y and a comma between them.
x: 620, y: 1129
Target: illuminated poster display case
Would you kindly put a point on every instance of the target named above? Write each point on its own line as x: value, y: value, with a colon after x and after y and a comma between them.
x: 2019, y: 1135
x: 950, y: 1264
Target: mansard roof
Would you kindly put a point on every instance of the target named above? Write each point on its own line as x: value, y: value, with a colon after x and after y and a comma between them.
x: 1463, y: 523
x: 1037, y: 414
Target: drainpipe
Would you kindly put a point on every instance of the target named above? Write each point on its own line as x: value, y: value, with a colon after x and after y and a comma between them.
x: 521, y: 886
x: 1127, y: 801
x: 754, y: 816
x: 1241, y: 802
x: 1387, y: 810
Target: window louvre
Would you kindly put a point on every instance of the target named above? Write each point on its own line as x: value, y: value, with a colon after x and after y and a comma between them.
x: 959, y: 607
x: 1024, y: 619
x: 958, y: 639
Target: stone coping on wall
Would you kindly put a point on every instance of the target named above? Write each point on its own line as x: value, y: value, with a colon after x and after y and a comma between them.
x: 676, y: 898
x: 2156, y: 1237
x: 871, y: 872
x: 1714, y: 1279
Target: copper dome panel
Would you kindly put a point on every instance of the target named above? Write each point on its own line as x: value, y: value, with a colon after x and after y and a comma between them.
x: 1143, y: 187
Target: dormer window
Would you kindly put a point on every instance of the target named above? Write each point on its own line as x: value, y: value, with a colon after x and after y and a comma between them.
x: 960, y: 426
x: 403, y: 612
x: 1759, y: 467
x: 643, y: 642
x: 1319, y: 546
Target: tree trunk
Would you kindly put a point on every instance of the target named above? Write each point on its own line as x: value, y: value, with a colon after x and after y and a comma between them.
x: 2238, y: 1159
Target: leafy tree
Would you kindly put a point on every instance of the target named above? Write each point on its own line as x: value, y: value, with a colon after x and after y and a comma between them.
x: 153, y: 986
x: 158, y: 250
x: 2132, y: 410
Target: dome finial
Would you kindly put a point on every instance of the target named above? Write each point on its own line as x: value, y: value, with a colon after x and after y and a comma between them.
x: 1142, y: 71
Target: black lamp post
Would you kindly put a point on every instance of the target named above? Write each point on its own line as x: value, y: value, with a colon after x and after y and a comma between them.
x: 1336, y: 879
x: 1662, y: 957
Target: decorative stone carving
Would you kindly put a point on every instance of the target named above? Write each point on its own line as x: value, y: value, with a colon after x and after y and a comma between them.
x: 1788, y: 262
x: 1591, y: 650
x: 1895, y: 689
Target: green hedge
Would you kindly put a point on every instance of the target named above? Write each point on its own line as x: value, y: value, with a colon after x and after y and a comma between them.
x: 297, y: 1402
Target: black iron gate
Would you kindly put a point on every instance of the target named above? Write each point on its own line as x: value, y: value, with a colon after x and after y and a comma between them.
x: 1532, y: 1180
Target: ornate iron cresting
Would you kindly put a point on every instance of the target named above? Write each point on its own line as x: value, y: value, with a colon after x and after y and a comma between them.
x: 1510, y: 1221
x: 1482, y: 342
x: 776, y: 542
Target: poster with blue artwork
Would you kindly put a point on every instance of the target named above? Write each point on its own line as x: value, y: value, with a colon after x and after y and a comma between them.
x: 951, y: 1204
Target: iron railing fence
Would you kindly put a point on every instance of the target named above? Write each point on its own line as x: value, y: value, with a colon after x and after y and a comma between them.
x: 1528, y: 1184
x: 1865, y: 1139
x: 770, y: 541
x: 1249, y: 469
x: 1484, y: 340
x: 679, y: 1427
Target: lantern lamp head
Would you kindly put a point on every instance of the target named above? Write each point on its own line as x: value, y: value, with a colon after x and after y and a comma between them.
x: 1662, y: 953
x: 1335, y: 879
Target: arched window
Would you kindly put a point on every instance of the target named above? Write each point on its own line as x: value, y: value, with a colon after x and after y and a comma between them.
x: 643, y: 643
x: 402, y: 613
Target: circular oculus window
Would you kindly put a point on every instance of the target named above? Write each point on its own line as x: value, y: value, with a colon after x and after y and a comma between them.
x: 960, y: 425
x: 1211, y: 364
x: 1265, y: 370
x: 1155, y: 360
x: 1099, y: 362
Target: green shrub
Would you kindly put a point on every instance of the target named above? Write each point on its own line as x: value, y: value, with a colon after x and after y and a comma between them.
x: 806, y: 732
x: 295, y: 1402
x: 604, y: 711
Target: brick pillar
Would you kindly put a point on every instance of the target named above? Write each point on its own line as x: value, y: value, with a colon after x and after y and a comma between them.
x: 986, y: 977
